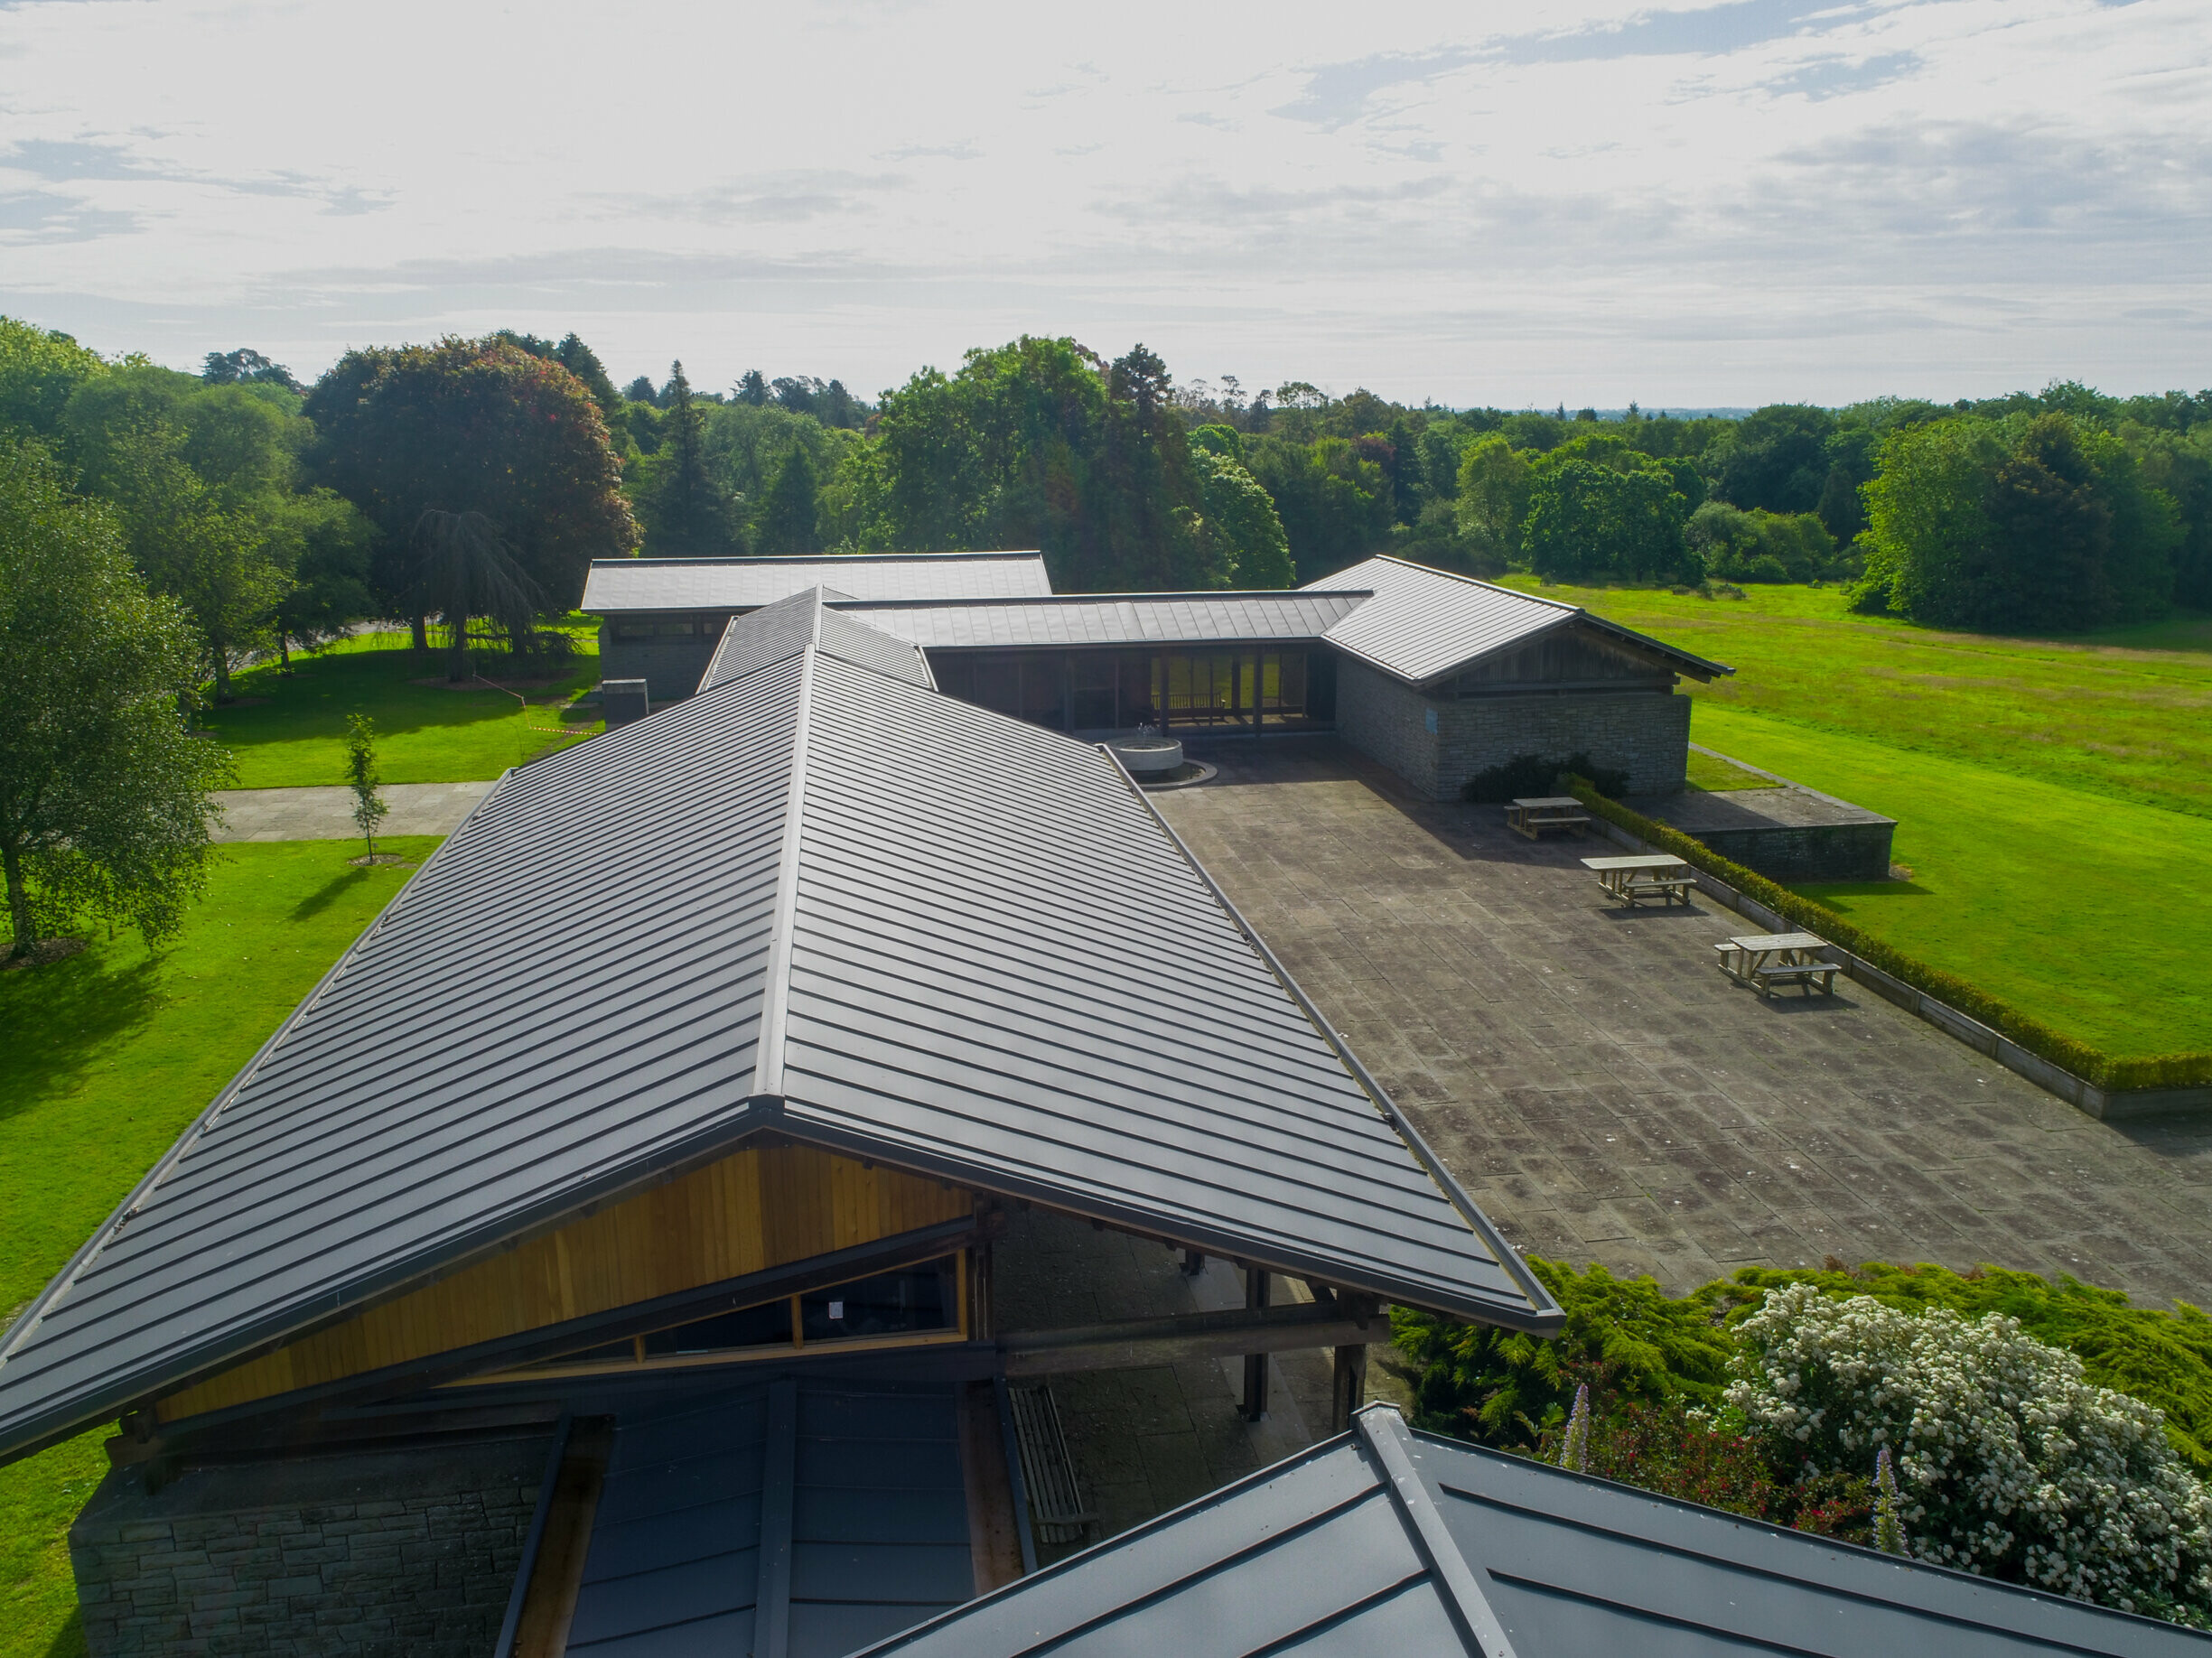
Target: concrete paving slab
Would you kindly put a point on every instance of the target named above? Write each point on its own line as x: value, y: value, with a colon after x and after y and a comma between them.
x: 1556, y: 1051
x: 323, y: 814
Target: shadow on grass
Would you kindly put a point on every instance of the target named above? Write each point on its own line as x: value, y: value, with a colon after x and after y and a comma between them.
x: 58, y: 1019
x: 1866, y: 889
x: 69, y: 1641
x: 329, y: 893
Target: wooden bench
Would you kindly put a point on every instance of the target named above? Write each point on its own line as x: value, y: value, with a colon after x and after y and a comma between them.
x: 1803, y: 972
x: 1765, y: 960
x: 1532, y: 817
x: 1659, y: 875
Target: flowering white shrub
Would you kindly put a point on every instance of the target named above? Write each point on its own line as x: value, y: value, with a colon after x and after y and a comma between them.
x: 2011, y: 1465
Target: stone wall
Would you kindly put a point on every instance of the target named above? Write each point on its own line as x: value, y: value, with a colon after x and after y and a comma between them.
x: 377, y: 1554
x: 1437, y: 744
x: 669, y: 664
x: 1807, y: 852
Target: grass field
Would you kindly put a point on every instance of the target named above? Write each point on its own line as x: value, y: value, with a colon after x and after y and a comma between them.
x: 111, y: 1054
x: 428, y: 732
x: 2071, y: 907
x: 2126, y: 713
x: 2053, y: 798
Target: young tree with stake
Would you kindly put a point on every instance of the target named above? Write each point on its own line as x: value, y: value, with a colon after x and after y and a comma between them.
x: 362, y: 777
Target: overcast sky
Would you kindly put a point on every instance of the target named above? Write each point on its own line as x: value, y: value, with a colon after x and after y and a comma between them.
x: 1476, y: 203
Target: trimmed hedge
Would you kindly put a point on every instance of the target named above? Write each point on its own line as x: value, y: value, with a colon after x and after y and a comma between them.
x: 2104, y: 1070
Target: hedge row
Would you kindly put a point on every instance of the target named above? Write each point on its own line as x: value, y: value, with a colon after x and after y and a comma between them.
x: 1502, y: 1388
x: 2157, y: 1071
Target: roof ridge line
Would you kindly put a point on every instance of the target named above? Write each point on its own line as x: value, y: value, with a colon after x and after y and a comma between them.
x: 57, y: 1290
x: 776, y: 986
x: 1496, y: 587
x: 1387, y: 1438
x: 1182, y: 593
x: 1509, y: 1259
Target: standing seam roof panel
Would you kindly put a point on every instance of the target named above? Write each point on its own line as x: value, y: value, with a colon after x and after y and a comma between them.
x: 1423, y: 624
x: 1147, y: 619
x: 617, y: 585
x: 942, y: 910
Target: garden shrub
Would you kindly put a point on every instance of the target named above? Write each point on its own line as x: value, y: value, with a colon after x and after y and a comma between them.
x: 1626, y: 1337
x: 2012, y: 1464
x: 1661, y: 1368
x: 1526, y: 775
x: 2162, y: 1358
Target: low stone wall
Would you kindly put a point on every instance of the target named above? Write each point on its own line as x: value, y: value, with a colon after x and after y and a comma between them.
x: 1790, y: 852
x: 383, y: 1553
x: 1788, y: 832
x: 1437, y: 744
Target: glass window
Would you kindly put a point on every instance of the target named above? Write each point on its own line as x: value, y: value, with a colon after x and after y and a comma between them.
x: 622, y: 1349
x: 922, y: 1298
x: 768, y: 1324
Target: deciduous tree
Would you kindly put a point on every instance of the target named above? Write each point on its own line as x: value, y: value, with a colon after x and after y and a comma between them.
x: 475, y: 426
x: 104, y: 795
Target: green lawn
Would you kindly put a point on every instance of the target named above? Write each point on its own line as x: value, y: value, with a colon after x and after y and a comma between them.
x: 2053, y: 798
x: 2126, y: 713
x: 111, y: 1054
x: 2078, y: 909
x: 429, y: 733
x: 1711, y: 775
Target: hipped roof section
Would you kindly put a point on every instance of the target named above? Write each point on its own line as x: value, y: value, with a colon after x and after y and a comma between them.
x: 1424, y: 625
x: 817, y: 899
x: 1384, y: 1540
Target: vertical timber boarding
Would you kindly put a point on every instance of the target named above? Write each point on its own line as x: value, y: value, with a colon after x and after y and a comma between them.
x: 746, y: 1213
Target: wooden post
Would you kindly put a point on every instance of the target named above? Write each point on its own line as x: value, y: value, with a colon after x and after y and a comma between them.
x: 1350, y: 1389
x: 1256, y: 1287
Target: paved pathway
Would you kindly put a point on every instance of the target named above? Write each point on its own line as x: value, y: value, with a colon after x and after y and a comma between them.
x: 1606, y: 1094
x: 327, y: 813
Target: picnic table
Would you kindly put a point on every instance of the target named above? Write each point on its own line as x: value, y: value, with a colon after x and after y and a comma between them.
x: 1659, y: 875
x: 1533, y: 818
x: 1765, y: 960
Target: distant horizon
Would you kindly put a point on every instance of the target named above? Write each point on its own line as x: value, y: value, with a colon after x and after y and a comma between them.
x: 1741, y: 203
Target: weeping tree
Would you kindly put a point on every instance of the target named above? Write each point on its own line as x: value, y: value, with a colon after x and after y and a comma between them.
x: 462, y: 569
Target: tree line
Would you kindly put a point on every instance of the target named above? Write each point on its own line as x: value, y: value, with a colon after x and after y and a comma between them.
x: 409, y: 479
x: 156, y: 527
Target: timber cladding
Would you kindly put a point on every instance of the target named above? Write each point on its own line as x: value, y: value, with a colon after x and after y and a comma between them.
x: 758, y: 1208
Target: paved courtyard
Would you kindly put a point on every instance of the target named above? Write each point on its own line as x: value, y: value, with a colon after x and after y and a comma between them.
x: 1606, y: 1095
x: 326, y: 814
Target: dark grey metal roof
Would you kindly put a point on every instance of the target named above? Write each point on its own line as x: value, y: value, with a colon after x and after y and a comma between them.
x: 1387, y: 1541
x: 777, y: 631
x: 818, y: 900
x: 793, y: 1517
x: 619, y: 585
x: 1424, y: 625
x: 1129, y: 618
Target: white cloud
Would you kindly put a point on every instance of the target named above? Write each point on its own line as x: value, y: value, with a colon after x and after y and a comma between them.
x: 1681, y: 204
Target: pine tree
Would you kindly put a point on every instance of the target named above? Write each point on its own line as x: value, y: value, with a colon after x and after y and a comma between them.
x: 790, y: 515
x: 685, y: 515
